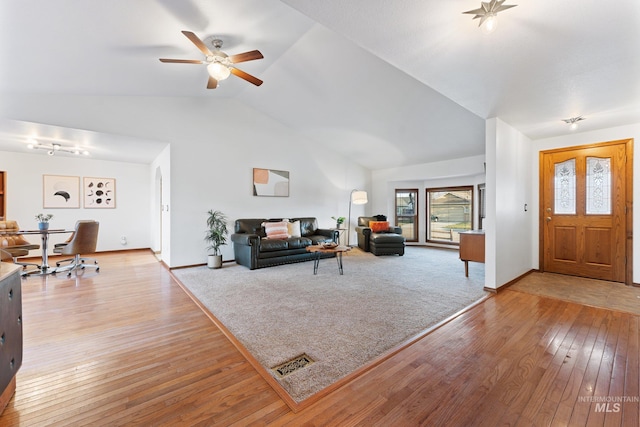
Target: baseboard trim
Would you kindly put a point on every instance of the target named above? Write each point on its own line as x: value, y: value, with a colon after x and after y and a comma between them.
x: 511, y: 282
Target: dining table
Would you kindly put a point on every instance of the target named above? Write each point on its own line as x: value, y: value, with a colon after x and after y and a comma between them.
x: 44, y: 268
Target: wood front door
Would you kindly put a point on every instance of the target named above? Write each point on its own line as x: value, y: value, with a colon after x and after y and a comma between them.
x: 585, y: 196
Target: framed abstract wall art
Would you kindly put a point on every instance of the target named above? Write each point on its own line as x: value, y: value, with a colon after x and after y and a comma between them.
x: 60, y: 191
x: 99, y: 193
x: 270, y: 182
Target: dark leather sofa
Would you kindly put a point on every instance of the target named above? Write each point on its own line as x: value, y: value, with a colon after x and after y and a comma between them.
x: 254, y: 250
x: 387, y: 242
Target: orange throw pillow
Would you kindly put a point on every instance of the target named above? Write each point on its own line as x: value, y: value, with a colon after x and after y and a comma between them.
x: 378, y: 226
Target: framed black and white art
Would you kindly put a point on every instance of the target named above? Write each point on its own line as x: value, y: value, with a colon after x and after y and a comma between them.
x: 60, y: 191
x: 99, y: 193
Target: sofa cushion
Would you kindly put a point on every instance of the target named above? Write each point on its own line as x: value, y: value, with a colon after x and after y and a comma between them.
x: 317, y: 239
x: 269, y: 245
x: 363, y: 221
x: 276, y: 230
x: 378, y: 226
x: 294, y: 229
x: 299, y: 242
x: 308, y: 226
x: 385, y: 238
x: 251, y: 226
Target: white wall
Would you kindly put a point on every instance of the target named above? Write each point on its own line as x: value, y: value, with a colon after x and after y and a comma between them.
x: 581, y: 138
x: 214, y: 171
x: 25, y: 200
x: 507, y: 227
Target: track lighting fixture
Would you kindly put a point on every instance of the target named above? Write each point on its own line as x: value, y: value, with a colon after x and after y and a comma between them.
x: 55, y: 147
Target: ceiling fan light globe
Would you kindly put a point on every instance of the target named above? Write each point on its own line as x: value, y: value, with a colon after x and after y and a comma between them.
x: 218, y: 71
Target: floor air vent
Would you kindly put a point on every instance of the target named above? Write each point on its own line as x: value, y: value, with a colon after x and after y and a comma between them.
x: 292, y: 365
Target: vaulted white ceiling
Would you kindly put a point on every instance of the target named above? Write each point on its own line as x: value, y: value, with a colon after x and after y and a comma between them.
x: 413, y: 79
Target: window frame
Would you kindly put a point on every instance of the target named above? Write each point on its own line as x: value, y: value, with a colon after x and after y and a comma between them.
x: 416, y: 210
x: 469, y: 188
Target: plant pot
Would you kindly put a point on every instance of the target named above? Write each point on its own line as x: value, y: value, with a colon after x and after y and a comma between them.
x: 214, y: 261
x: 43, y: 226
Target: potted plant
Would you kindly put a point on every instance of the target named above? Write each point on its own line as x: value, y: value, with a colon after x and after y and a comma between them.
x: 43, y: 221
x: 339, y: 221
x: 216, y: 236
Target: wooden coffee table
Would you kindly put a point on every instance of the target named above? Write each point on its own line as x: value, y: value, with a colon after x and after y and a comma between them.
x: 318, y: 249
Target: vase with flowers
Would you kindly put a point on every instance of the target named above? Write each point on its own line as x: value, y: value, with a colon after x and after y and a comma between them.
x: 43, y: 221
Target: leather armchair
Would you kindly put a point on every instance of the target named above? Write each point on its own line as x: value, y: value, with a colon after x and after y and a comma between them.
x: 383, y: 242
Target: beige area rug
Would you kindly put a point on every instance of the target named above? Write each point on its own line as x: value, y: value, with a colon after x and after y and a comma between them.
x: 342, y: 322
x: 591, y: 292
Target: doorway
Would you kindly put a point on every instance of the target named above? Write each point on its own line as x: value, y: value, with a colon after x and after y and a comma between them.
x: 585, y: 211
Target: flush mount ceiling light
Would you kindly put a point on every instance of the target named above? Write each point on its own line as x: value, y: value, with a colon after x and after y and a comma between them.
x: 54, y: 148
x: 573, y: 122
x: 488, y: 14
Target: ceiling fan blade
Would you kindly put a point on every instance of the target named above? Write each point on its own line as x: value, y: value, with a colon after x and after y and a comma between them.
x: 199, y: 44
x: 213, y: 83
x: 181, y: 61
x: 247, y: 56
x: 248, y: 77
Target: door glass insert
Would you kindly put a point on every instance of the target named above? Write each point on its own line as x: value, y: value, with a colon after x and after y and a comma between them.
x: 598, y: 186
x: 565, y: 187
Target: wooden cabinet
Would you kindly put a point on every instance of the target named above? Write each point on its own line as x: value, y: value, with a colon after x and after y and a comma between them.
x: 3, y: 180
x: 10, y: 330
x: 471, y: 248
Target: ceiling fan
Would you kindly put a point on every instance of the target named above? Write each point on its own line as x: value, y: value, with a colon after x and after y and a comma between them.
x: 219, y: 64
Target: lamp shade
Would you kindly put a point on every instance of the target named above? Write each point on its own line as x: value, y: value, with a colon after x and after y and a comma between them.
x: 359, y: 197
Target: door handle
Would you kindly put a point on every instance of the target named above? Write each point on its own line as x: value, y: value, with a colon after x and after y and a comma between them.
x: 548, y: 218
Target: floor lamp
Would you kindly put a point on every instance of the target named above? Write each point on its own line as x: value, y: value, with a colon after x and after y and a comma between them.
x: 357, y: 197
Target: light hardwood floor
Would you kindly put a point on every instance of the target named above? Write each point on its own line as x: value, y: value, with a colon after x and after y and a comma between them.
x: 127, y: 346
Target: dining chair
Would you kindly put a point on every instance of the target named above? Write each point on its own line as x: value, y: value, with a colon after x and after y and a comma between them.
x: 83, y: 241
x: 15, y: 243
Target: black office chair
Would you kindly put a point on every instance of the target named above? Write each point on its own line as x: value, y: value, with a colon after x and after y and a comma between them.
x: 83, y: 241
